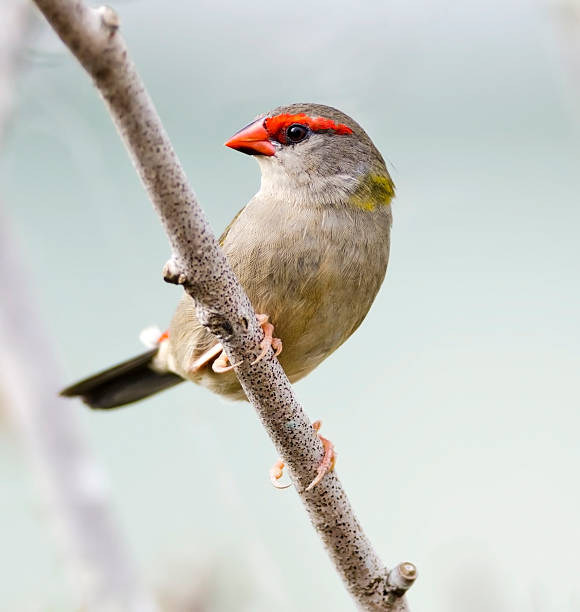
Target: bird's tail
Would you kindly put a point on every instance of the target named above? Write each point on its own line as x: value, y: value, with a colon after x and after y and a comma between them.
x: 124, y: 383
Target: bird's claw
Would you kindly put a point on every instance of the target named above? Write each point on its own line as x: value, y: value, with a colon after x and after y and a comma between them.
x: 276, y: 472
x: 219, y: 365
x: 328, y: 459
x: 268, y: 340
x: 220, y: 361
x: 326, y: 465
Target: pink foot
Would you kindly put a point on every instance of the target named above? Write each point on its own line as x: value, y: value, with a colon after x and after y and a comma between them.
x: 222, y: 363
x: 219, y: 365
x: 328, y: 459
x: 326, y: 465
x: 268, y: 341
x: 276, y: 472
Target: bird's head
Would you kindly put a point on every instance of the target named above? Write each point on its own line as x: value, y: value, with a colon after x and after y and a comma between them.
x: 313, y: 153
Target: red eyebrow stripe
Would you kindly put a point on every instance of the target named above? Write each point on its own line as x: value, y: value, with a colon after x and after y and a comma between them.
x: 317, y: 124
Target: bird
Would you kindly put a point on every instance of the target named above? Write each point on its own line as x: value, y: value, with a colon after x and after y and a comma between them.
x: 310, y: 249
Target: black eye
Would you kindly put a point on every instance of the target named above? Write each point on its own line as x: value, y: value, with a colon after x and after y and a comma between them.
x: 296, y: 133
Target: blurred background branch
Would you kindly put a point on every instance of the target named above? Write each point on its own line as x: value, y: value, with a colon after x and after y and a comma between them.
x: 74, y: 484
x: 15, y: 16
x: 566, y: 14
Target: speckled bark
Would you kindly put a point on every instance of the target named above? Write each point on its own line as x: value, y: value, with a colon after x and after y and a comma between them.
x: 200, y: 266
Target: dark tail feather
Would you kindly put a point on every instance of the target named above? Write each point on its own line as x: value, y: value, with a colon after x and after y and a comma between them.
x: 122, y: 384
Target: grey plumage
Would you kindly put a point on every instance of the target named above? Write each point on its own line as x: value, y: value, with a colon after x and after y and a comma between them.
x: 310, y: 248
x: 305, y: 255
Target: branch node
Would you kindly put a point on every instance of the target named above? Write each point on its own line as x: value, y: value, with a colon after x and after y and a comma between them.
x: 109, y: 18
x: 216, y: 323
x: 402, y: 577
x: 173, y: 274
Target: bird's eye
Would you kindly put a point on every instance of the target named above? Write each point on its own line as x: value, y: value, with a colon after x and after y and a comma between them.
x: 296, y: 133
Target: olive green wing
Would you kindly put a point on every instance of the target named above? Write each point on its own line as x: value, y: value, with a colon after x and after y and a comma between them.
x: 223, y: 237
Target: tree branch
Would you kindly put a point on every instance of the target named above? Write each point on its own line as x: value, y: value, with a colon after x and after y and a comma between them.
x: 223, y: 307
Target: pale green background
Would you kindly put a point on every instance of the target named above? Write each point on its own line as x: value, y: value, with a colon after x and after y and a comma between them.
x: 455, y: 408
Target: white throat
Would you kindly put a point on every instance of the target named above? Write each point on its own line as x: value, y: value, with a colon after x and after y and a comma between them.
x: 299, y: 186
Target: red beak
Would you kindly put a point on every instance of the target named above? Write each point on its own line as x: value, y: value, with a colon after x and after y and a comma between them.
x: 253, y: 140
